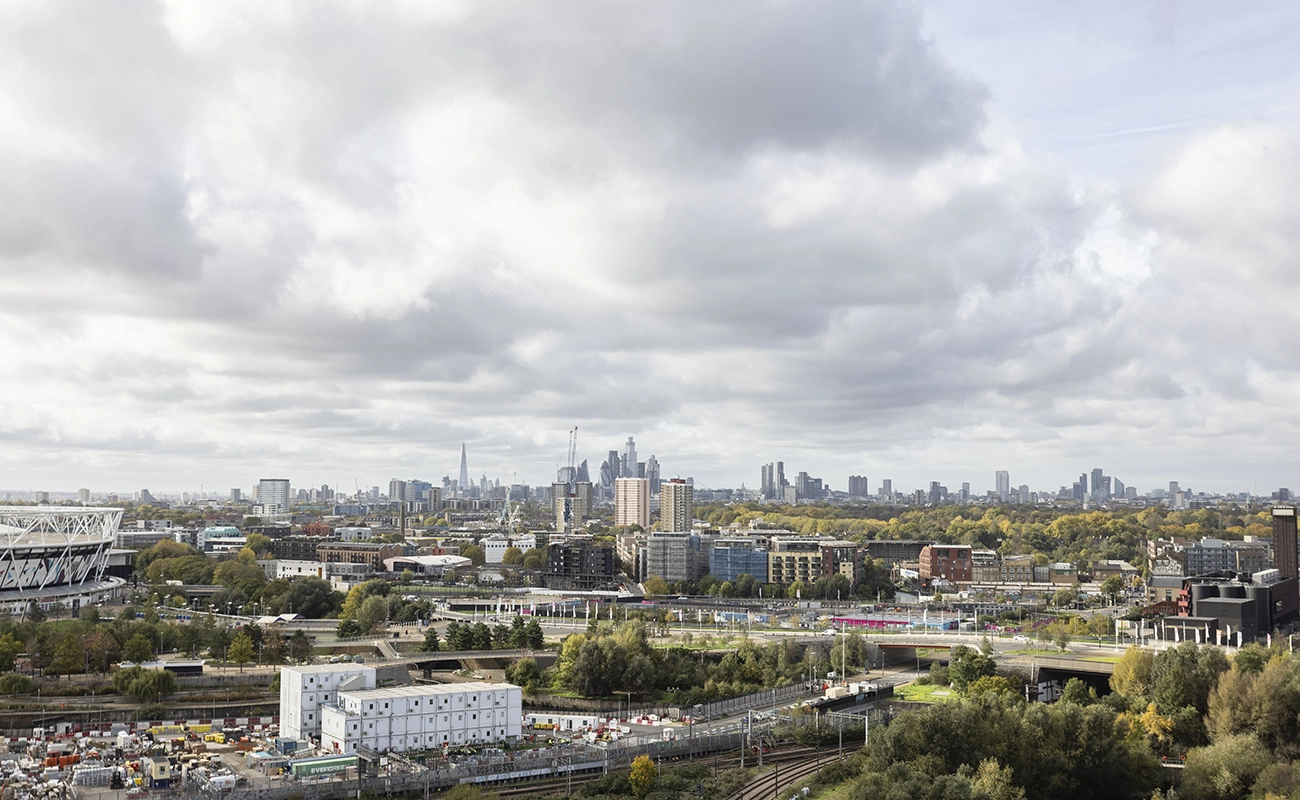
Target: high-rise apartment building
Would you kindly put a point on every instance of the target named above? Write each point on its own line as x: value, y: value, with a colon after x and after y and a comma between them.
x: 779, y: 477
x: 676, y: 505
x: 887, y: 489
x: 858, y: 486
x: 767, y: 483
x: 632, y: 502
x: 273, y: 493
x: 1098, y: 492
x: 1002, y: 480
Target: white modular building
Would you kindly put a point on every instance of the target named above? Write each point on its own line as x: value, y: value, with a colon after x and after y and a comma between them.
x: 304, y: 690
x: 407, y: 718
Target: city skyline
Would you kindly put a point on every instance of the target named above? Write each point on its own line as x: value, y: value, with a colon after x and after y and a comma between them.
x: 910, y: 241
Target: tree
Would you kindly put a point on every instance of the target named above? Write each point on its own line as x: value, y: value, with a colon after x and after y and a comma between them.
x: 13, y: 683
x: 349, y: 628
x: 430, y: 640
x: 145, y: 684
x: 300, y: 646
x: 474, y: 553
x: 373, y: 613
x: 1131, y: 678
x: 533, y: 637
x: 512, y: 556
x: 9, y: 650
x: 1224, y: 770
x: 1078, y: 692
x: 965, y: 666
x: 89, y: 615
x: 534, y: 559
x: 1112, y: 586
x: 656, y: 586
x: 241, y: 650
x: 102, y: 650
x: 996, y: 782
x: 138, y: 649
x: 68, y: 658
x: 642, y: 777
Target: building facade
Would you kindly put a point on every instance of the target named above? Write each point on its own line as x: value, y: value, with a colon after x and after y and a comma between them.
x: 580, y: 565
x: 949, y: 562
x: 729, y: 558
x: 304, y: 690
x: 676, y: 505
x: 372, y: 554
x: 273, y: 493
x: 632, y: 502
x: 407, y: 718
x: 790, y: 560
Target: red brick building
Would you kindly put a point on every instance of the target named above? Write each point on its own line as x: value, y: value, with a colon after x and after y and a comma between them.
x: 950, y: 562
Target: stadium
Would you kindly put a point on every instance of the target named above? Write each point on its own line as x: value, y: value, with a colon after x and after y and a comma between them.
x: 56, y: 555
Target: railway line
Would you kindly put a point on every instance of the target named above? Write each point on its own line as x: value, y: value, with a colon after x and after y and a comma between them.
x: 802, y: 761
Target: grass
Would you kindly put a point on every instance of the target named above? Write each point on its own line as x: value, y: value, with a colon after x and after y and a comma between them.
x: 1103, y: 659
x: 1033, y: 651
x: 839, y: 791
x: 920, y: 693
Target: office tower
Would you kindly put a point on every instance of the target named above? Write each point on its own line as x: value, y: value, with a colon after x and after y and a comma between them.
x: 236, y: 495
x: 1002, y: 480
x: 965, y: 491
x: 781, y: 483
x: 767, y: 484
x: 1284, y: 541
x: 858, y: 486
x: 1173, y: 488
x: 83, y: 496
x: 652, y: 473
x: 632, y: 502
x: 934, y: 493
x: 1131, y: 493
x: 1083, y: 485
x: 608, y: 470
x: 274, y: 494
x: 627, y: 463
x: 583, y: 474
x: 1284, y: 495
x: 614, y: 464
x: 676, y: 505
x: 1097, y: 490
x: 1024, y: 493
x: 1117, y: 486
x: 464, y: 469
x: 887, y: 489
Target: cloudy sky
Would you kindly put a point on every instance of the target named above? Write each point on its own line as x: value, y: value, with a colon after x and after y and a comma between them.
x: 913, y: 240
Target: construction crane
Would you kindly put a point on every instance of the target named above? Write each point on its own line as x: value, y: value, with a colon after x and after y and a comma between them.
x: 571, y: 487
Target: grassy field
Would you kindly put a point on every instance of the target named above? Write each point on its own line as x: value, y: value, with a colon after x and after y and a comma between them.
x: 1103, y: 659
x: 925, y: 694
x: 1033, y: 651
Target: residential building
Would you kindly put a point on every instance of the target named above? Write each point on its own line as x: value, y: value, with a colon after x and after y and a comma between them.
x: 729, y: 558
x: 1216, y: 555
x: 676, y: 505
x: 652, y: 474
x: 858, y: 486
x: 843, y: 558
x: 949, y: 562
x: 631, y: 552
x: 1016, y: 569
x: 408, y: 718
x: 1284, y: 541
x: 632, y: 502
x: 303, y: 690
x: 297, y: 548
x: 985, y: 568
x: 581, y: 564
x: 674, y: 556
x: 1002, y: 479
x: 273, y: 494
x: 372, y: 554
x: 790, y: 560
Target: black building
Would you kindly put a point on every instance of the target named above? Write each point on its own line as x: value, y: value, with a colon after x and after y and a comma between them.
x: 580, y: 565
x: 297, y: 548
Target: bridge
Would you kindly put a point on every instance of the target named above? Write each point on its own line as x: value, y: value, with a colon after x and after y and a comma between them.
x: 391, y: 656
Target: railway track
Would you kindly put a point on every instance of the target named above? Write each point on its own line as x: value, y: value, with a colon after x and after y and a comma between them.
x: 796, y: 756
x: 772, y: 782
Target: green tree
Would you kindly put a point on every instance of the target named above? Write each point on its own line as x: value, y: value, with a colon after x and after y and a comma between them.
x: 1078, y: 692
x: 1112, y: 586
x: 474, y: 553
x: 965, y: 666
x: 642, y: 777
x: 1131, y: 677
x: 138, y: 649
x: 1224, y: 770
x: 300, y: 647
x: 373, y: 613
x: 996, y: 782
x: 13, y: 683
x: 513, y: 556
x: 241, y: 650
x: 9, y: 650
x: 430, y: 640
x: 656, y: 586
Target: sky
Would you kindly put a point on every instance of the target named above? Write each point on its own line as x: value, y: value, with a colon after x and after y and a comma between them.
x: 907, y: 240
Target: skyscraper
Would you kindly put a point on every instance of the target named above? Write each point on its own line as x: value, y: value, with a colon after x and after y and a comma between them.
x: 652, y: 473
x: 858, y: 486
x: 632, y: 502
x: 767, y: 483
x: 887, y: 489
x: 780, y: 479
x: 627, y: 463
x: 464, y: 469
x: 676, y: 505
x: 1002, y: 480
x: 1098, y: 485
